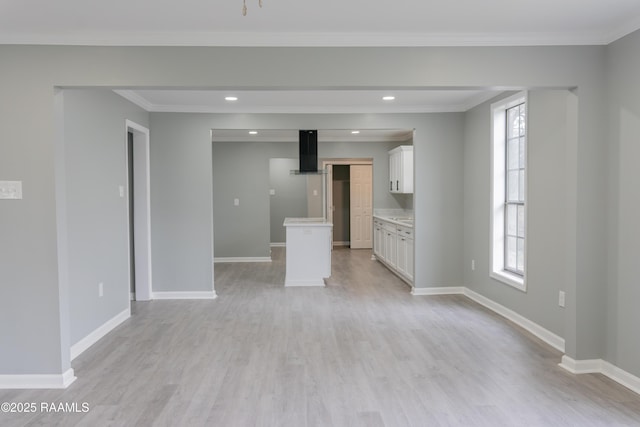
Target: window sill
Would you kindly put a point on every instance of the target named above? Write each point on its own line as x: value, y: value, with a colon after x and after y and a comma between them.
x: 510, y: 279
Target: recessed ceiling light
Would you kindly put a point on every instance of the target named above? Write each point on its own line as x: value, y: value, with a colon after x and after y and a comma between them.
x: 230, y: 98
x: 253, y: 132
x: 355, y: 132
x: 388, y: 98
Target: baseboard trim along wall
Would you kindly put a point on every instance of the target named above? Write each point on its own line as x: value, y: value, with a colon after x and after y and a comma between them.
x: 37, y: 381
x: 242, y: 259
x: 454, y: 290
x: 86, y: 342
x: 545, y: 335
x: 278, y: 244
x: 599, y: 366
x: 185, y: 295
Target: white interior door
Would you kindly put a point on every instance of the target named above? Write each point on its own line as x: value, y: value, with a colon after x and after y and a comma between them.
x: 361, y: 206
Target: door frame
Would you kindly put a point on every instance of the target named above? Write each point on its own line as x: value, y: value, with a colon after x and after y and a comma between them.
x: 328, y: 205
x: 142, y: 219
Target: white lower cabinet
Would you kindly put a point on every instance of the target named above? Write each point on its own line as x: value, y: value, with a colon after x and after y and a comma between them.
x: 405, y: 255
x: 393, y: 246
x: 378, y: 240
x: 390, y: 249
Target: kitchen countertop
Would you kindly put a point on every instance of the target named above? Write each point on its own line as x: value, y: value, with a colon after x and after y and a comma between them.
x: 306, y: 222
x: 405, y: 221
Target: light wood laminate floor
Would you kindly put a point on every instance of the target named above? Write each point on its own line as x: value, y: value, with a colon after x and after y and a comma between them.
x: 360, y: 352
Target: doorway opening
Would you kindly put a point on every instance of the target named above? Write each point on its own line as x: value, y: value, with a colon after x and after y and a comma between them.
x: 139, y: 207
x: 349, y: 201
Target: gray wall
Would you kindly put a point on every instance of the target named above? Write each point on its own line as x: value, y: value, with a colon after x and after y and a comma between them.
x: 38, y: 344
x: 623, y: 344
x: 546, y: 198
x: 97, y: 217
x: 290, y: 198
x: 181, y: 203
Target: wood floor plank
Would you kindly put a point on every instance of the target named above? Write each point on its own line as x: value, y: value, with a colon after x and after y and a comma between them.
x: 360, y: 352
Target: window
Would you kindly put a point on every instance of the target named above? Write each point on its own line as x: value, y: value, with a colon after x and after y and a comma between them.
x: 508, y: 207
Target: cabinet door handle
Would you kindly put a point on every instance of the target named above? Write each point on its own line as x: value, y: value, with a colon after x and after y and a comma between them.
x: 397, y: 185
x: 390, y: 185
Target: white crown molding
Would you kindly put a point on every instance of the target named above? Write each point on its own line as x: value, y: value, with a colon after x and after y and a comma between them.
x: 297, y: 39
x: 135, y: 98
x: 625, y: 29
x: 86, y: 342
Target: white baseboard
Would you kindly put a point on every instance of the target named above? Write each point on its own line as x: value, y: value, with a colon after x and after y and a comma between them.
x: 132, y: 296
x: 242, y: 259
x: 454, y: 290
x: 63, y: 380
x: 599, y: 366
x: 545, y: 335
x: 341, y: 243
x: 311, y: 282
x: 591, y: 366
x: 278, y: 244
x: 86, y: 342
x: 185, y: 295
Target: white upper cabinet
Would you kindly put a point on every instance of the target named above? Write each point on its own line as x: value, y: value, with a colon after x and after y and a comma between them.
x: 401, y: 169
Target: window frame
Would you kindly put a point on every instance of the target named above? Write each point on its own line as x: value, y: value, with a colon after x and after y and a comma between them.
x: 498, y: 188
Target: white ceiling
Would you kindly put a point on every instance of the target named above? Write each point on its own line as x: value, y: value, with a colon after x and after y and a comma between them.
x: 317, y: 23
x: 308, y: 101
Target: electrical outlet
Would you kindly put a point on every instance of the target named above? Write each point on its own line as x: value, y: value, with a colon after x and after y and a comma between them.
x: 561, y: 299
x: 473, y: 264
x: 10, y: 189
x: 100, y: 289
x: 121, y: 190
x: 236, y: 202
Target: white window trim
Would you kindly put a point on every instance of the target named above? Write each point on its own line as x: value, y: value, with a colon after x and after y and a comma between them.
x: 496, y: 215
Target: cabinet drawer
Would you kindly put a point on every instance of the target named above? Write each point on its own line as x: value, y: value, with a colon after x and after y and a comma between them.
x: 406, y: 232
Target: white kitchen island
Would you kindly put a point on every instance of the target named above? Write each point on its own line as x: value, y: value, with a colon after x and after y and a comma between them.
x: 308, y: 248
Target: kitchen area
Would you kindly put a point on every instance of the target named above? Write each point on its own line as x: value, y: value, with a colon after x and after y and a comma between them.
x: 361, y: 183
x: 393, y: 236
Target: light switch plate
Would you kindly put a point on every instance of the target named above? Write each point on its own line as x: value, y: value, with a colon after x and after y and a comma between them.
x: 272, y: 192
x: 236, y: 202
x: 11, y: 190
